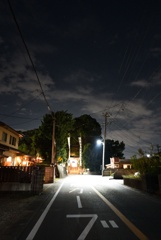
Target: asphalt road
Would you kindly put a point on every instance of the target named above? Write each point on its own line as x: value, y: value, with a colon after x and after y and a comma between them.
x: 97, y: 208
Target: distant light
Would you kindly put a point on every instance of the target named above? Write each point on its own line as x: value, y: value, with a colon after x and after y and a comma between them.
x: 9, y: 159
x: 148, y: 155
x: 99, y: 142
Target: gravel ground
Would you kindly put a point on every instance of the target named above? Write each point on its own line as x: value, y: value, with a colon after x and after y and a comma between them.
x: 18, y: 209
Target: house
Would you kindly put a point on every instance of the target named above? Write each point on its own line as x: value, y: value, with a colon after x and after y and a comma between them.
x: 115, y: 162
x: 9, y: 153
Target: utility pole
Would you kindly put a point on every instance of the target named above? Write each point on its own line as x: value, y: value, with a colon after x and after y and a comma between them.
x: 53, y: 141
x: 53, y: 148
x: 104, y: 140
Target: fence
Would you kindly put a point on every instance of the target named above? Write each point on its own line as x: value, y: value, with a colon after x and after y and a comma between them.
x: 20, y: 178
x: 16, y: 174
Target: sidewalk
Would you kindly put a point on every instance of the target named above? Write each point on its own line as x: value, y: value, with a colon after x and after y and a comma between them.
x: 19, y: 209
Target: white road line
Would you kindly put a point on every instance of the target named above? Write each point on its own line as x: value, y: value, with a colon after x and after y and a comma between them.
x: 113, y: 224
x: 104, y: 224
x: 81, y: 191
x: 43, y: 215
x: 79, y: 202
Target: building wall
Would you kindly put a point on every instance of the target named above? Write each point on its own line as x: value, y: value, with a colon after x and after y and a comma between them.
x: 8, y: 137
x: 9, y: 153
x: 115, y: 162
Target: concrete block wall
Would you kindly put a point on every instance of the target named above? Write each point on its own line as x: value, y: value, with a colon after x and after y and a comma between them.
x: 15, y: 187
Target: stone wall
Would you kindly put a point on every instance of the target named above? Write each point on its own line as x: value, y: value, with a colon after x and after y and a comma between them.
x: 148, y: 183
x: 134, y: 183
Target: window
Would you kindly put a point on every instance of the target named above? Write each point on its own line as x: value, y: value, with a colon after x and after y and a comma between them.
x: 4, y: 137
x: 12, y: 141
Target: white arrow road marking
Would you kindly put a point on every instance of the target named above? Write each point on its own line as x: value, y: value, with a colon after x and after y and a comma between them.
x: 79, y: 202
x: 89, y: 225
x: 113, y: 224
x: 104, y: 224
x: 73, y: 190
x: 81, y: 190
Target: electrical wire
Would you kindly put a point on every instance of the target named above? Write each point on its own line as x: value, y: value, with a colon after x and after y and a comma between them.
x: 12, y: 113
x: 29, y: 55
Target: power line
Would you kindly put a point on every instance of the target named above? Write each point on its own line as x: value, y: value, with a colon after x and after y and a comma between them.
x: 32, y: 63
x: 12, y: 113
x: 9, y: 115
x: 29, y: 55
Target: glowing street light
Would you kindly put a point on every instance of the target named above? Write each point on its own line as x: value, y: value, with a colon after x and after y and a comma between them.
x: 99, y: 142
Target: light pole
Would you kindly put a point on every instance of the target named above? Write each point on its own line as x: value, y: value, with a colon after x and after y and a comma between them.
x: 99, y: 142
x: 104, y: 141
x: 103, y: 157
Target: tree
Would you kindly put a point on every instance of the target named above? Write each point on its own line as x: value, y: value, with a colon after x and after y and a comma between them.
x: 63, y: 125
x: 27, y: 142
x: 86, y: 127
x: 140, y: 152
x: 89, y: 130
x: 113, y: 149
x: 92, y: 157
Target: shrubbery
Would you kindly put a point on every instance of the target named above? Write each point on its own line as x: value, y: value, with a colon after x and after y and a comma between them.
x: 146, y: 165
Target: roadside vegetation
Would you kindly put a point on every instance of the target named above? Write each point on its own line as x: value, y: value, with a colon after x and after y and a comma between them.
x: 150, y: 164
x: 147, y: 173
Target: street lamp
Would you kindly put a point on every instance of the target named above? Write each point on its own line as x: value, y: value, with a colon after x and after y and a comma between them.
x: 99, y: 142
x: 103, y: 142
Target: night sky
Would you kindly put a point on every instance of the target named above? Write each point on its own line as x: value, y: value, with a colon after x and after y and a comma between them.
x: 92, y: 57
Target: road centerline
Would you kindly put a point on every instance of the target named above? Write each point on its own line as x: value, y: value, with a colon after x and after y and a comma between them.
x: 128, y: 223
x: 79, y: 202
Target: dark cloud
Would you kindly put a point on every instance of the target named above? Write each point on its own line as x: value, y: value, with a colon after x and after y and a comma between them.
x: 91, y: 57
